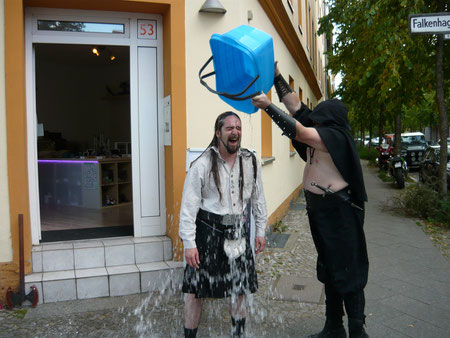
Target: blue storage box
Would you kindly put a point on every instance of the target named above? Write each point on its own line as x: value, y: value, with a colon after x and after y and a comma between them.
x: 243, y: 64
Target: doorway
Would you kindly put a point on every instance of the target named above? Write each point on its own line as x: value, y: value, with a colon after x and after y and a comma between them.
x: 95, y: 124
x: 84, y: 141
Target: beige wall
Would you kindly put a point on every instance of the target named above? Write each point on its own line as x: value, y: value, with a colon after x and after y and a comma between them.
x: 5, y: 238
x: 203, y: 106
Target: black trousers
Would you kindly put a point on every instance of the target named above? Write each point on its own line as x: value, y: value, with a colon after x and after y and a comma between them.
x: 342, y: 263
x: 354, y: 304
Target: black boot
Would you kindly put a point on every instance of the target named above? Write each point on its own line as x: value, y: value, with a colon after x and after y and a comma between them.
x: 190, y: 333
x: 238, y: 327
x: 356, y: 328
x: 332, y: 329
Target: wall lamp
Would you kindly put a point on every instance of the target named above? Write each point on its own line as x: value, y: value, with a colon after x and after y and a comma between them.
x: 213, y: 6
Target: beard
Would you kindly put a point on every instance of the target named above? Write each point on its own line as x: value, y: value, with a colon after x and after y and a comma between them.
x: 231, y: 149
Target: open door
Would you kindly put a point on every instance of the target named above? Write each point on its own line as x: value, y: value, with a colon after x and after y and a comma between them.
x: 147, y: 188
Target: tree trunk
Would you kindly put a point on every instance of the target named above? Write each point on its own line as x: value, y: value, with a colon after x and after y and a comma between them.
x: 381, y: 125
x: 361, y: 142
x: 443, y: 118
x: 398, y: 135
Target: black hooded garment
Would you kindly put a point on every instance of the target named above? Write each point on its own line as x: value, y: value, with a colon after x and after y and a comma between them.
x: 336, y: 227
x: 334, y: 130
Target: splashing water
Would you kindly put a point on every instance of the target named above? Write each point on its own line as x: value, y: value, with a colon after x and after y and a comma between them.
x: 161, y: 313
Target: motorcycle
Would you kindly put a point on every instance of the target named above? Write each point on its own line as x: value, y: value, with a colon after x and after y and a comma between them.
x: 395, y: 166
x: 398, y: 170
x: 384, y: 155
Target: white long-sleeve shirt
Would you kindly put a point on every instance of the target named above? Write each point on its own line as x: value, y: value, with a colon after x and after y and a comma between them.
x: 200, y: 191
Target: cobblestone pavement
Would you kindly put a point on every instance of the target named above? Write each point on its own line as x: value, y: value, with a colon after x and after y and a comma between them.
x: 160, y: 314
x: 405, y: 297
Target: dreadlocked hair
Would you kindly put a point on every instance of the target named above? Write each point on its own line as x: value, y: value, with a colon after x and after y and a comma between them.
x: 215, y: 142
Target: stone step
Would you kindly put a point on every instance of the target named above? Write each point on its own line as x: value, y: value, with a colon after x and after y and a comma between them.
x: 102, y: 268
x: 119, y: 280
x: 100, y: 253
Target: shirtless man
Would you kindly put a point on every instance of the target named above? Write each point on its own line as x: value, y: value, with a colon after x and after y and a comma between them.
x: 335, y: 196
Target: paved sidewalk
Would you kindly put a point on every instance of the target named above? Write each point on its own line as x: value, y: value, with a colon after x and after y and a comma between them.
x: 407, y: 294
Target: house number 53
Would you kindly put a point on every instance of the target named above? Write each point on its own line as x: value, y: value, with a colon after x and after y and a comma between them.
x: 147, y: 29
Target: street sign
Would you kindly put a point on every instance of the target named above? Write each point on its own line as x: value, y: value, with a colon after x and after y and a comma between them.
x: 430, y: 23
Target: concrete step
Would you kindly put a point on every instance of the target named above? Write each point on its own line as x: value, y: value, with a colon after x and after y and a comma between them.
x: 102, y: 268
x: 86, y: 254
x: 57, y: 286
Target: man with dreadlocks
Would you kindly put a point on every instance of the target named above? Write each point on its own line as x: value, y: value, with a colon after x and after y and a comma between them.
x: 335, y: 196
x: 215, y: 225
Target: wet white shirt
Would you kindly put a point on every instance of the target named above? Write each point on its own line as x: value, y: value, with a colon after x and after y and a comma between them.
x: 200, y: 191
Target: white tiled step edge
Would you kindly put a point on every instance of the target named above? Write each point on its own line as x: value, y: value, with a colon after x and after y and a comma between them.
x: 100, y: 253
x: 120, y: 280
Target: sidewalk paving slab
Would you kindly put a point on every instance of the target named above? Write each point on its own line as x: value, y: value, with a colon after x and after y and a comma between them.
x: 407, y: 294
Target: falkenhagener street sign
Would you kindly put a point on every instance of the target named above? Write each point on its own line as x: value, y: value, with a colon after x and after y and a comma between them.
x: 430, y: 23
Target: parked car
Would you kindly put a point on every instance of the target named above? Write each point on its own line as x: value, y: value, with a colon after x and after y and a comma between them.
x: 413, y: 148
x: 439, y: 141
x: 389, y: 139
x: 429, y: 167
x: 376, y: 140
x: 366, y: 141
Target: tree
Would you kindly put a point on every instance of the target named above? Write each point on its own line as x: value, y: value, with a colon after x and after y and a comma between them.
x: 443, y: 119
x: 386, y: 72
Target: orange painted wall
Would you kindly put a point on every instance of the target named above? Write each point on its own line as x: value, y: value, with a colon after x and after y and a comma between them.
x: 16, y: 139
x: 173, y: 12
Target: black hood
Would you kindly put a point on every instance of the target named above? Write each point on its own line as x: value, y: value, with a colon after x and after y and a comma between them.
x: 330, y: 113
x: 330, y: 120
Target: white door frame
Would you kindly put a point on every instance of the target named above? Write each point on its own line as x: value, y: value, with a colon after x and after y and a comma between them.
x: 143, y: 225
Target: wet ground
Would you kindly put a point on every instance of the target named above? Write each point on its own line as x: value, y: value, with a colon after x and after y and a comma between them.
x: 407, y: 294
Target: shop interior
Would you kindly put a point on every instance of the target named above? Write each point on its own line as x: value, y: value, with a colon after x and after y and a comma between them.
x: 84, y: 141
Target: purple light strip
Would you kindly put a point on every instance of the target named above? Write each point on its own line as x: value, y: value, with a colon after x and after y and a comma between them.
x: 65, y: 161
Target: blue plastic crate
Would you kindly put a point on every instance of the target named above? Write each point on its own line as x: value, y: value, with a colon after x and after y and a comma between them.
x: 239, y: 56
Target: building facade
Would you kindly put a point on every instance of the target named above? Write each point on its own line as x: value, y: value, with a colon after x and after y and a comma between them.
x: 101, y: 110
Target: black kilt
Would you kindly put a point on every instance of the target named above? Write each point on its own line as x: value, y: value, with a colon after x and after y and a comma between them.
x: 337, y: 231
x: 219, y: 276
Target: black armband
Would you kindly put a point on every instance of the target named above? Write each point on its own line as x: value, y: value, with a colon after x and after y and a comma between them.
x: 281, y: 86
x: 283, y: 120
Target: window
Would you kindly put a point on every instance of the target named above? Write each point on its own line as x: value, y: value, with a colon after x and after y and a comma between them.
x: 314, y: 48
x: 266, y: 132
x: 300, y: 19
x: 292, y: 85
x: 308, y: 29
x: 79, y: 26
x: 289, y: 2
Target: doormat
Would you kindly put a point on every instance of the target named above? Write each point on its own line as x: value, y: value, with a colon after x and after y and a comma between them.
x: 87, y: 233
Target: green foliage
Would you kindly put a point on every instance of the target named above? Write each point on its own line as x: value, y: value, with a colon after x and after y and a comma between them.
x: 384, y: 176
x: 279, y: 227
x: 418, y: 200
x: 385, y: 70
x: 421, y: 115
x: 367, y: 153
